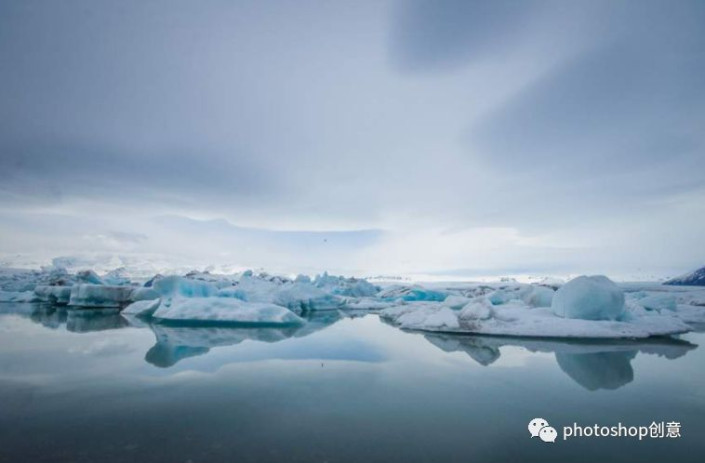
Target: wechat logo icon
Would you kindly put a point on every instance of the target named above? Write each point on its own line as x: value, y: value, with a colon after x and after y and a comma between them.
x: 539, y: 427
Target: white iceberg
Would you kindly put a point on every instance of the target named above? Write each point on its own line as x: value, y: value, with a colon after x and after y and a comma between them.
x: 589, y: 298
x: 142, y: 308
x: 539, y: 296
x: 520, y: 320
x: 658, y: 302
x: 221, y: 309
x: 341, y: 286
x: 305, y: 297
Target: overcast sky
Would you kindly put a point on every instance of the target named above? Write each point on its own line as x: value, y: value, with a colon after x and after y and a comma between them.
x: 422, y: 136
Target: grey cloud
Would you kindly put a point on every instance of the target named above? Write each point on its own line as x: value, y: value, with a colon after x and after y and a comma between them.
x: 430, y: 35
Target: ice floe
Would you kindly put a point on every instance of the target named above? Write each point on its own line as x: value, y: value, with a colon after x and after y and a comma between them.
x: 221, y: 309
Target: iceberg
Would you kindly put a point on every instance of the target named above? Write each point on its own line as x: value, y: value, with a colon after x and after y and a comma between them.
x: 185, y: 287
x: 143, y: 294
x: 539, y: 296
x: 59, y: 295
x: 589, y: 298
x: 142, y: 308
x: 90, y: 295
x: 411, y: 293
x: 517, y: 319
x: 353, y: 287
x: 455, y: 302
x: 505, y: 295
x: 658, y: 302
x: 303, y: 297
x: 18, y: 296
x: 221, y: 309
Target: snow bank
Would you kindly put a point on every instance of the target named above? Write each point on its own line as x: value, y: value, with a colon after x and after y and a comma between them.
x: 589, y: 298
x: 220, y: 309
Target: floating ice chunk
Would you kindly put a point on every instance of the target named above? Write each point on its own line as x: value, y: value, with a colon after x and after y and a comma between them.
x: 442, y: 318
x: 456, y: 302
x: 305, y: 296
x: 411, y: 293
x: 367, y: 303
x: 658, y: 302
x: 87, y: 295
x: 479, y: 309
x: 504, y: 295
x: 539, y: 296
x: 90, y: 277
x: 252, y: 288
x: 342, y: 286
x: 515, y: 319
x: 54, y: 294
x: 143, y: 294
x: 117, y: 277
x: 18, y: 296
x: 423, y: 316
x: 302, y: 279
x: 221, y: 309
x: 142, y: 308
x: 589, y: 298
x: 233, y: 291
x: 185, y: 287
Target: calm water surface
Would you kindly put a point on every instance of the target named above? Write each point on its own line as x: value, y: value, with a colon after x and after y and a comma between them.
x: 76, y: 387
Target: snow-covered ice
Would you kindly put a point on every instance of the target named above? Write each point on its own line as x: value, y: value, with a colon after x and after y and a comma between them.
x: 221, y: 309
x: 511, y: 311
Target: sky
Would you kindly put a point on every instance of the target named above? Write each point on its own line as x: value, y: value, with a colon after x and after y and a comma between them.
x: 434, y: 137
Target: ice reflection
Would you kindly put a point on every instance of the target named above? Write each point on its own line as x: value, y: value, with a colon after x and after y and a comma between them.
x: 593, y: 364
x: 177, y: 342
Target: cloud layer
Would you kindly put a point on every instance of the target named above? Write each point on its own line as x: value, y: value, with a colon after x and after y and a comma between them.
x: 442, y: 135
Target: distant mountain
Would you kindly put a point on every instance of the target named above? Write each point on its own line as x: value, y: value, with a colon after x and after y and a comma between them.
x: 696, y: 278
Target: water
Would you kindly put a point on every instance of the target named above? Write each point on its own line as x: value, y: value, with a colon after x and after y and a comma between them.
x: 76, y: 387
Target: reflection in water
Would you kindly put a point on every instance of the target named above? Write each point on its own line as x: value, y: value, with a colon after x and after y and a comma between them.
x: 75, y: 320
x: 49, y: 316
x: 175, y: 343
x: 600, y: 370
x: 592, y: 364
x: 83, y: 321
